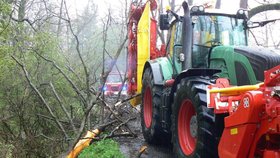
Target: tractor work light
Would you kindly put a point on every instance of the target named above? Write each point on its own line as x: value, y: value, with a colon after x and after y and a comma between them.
x: 242, y: 13
x: 201, y: 8
x: 196, y: 9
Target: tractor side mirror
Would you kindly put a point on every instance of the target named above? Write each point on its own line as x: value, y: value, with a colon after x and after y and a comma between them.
x: 164, y: 22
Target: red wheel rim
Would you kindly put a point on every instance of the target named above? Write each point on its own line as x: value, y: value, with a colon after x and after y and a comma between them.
x: 148, y: 108
x: 186, y: 139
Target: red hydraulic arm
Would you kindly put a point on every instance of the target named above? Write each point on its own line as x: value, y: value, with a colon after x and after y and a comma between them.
x: 252, y: 128
x: 135, y: 14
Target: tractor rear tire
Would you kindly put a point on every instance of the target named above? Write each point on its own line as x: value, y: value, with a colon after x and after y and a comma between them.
x: 150, y: 116
x: 195, y: 132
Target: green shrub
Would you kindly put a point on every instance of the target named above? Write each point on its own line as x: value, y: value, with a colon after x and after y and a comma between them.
x: 6, y: 150
x: 107, y: 148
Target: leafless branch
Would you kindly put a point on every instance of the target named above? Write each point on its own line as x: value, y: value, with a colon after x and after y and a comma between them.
x: 114, y: 61
x: 115, y: 114
x: 40, y: 96
x: 123, y: 123
x: 254, y: 37
x: 78, y: 49
x: 50, y: 118
x: 66, y: 77
x: 115, y: 135
x: 62, y: 106
x: 82, y: 126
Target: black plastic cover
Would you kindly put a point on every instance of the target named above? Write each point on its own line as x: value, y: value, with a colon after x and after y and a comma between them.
x: 261, y: 59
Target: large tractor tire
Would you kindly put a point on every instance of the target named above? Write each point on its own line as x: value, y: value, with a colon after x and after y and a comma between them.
x: 150, y: 119
x: 194, y: 130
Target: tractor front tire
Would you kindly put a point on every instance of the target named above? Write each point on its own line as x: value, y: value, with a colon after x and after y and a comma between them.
x: 150, y: 119
x: 194, y: 131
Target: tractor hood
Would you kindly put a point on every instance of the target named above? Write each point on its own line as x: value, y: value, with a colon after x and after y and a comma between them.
x: 243, y: 65
x: 260, y: 59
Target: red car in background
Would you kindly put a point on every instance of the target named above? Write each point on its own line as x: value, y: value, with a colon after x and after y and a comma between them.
x: 114, y: 84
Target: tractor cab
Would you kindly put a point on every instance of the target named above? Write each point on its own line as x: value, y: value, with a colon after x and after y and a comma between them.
x: 215, y: 29
x: 211, y: 39
x: 209, y: 28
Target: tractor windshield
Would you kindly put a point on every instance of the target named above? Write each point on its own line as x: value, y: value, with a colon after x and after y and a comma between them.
x: 220, y: 30
x: 212, y: 31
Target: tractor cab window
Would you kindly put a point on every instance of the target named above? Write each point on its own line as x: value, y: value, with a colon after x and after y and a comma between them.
x: 174, y: 45
x: 210, y: 31
x: 178, y: 39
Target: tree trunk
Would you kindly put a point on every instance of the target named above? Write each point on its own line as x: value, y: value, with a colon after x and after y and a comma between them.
x: 243, y: 4
x: 190, y: 2
x: 172, y: 5
x: 21, y: 10
x: 159, y: 32
x: 218, y: 4
x: 59, y: 19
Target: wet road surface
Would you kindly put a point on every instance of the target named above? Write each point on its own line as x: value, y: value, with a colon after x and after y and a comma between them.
x: 131, y: 146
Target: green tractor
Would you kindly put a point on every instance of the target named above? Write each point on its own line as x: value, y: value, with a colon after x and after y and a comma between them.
x: 202, y: 46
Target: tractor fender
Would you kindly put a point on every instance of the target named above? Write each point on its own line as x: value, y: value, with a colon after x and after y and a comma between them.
x: 156, y: 70
x: 189, y: 73
x: 162, y: 69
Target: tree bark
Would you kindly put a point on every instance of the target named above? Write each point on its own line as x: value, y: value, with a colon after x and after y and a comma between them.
x: 218, y: 4
x: 159, y: 32
x: 190, y: 2
x: 59, y: 20
x: 172, y: 4
x: 21, y: 10
x: 243, y: 4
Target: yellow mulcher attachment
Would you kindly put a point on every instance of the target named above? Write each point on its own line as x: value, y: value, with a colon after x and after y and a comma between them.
x: 83, y: 143
x: 143, y: 49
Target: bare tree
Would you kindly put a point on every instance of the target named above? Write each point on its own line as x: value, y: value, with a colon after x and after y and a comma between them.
x: 55, y: 101
x: 190, y: 2
x: 218, y: 4
x: 263, y: 8
x: 243, y: 4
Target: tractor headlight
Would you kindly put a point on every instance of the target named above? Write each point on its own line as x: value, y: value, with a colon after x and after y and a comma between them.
x: 196, y: 9
x: 201, y: 8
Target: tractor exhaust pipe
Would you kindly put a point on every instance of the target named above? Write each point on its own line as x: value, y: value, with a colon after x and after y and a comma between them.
x: 187, y: 37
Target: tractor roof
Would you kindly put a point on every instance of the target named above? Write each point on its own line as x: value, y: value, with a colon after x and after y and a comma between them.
x: 199, y: 10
